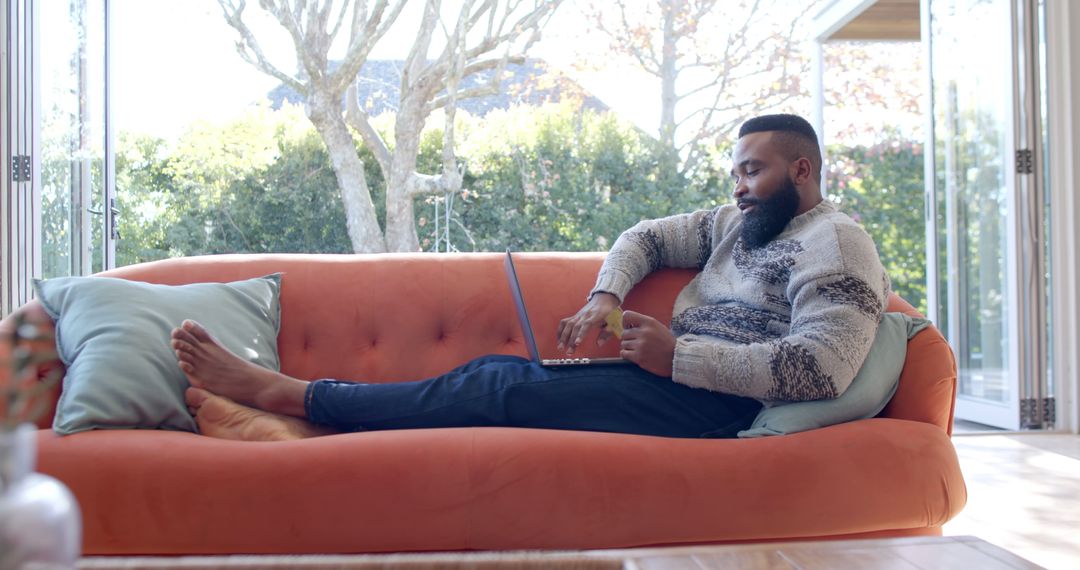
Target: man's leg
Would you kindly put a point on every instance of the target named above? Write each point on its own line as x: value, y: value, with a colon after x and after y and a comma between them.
x: 220, y: 417
x: 514, y: 392
x: 496, y: 390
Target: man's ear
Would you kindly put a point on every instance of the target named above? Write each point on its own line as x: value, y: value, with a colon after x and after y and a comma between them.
x: 801, y: 171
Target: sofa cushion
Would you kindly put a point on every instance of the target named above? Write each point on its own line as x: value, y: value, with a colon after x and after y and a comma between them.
x: 113, y: 337
x: 869, y: 393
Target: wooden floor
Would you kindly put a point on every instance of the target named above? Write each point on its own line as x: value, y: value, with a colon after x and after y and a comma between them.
x: 1023, y: 494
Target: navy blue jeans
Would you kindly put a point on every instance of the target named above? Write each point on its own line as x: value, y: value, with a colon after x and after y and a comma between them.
x: 510, y: 391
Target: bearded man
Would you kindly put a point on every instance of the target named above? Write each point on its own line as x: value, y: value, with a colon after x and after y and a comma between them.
x: 785, y: 308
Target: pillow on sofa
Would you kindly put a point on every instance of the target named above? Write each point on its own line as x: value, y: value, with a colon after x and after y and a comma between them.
x: 113, y: 336
x: 867, y: 395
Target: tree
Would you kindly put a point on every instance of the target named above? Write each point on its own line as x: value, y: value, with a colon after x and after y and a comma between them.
x: 716, y: 62
x: 470, y: 46
x: 561, y: 178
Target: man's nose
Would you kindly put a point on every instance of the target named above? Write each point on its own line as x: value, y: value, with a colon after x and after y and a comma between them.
x: 740, y: 190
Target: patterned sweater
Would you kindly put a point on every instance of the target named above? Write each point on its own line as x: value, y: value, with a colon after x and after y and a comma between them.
x: 790, y: 321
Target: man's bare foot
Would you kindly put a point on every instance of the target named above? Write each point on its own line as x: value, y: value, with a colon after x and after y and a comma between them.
x: 211, y: 366
x: 221, y: 417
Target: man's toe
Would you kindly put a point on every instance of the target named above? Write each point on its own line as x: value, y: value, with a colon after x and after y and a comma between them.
x: 196, y: 330
x: 196, y: 397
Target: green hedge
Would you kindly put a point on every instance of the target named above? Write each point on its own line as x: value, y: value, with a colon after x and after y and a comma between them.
x: 536, y: 178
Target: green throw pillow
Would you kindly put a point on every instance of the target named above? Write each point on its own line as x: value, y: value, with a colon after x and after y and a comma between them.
x: 113, y: 336
x: 868, y: 394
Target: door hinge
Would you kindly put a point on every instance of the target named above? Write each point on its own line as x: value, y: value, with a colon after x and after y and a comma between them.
x: 22, y: 168
x: 1025, y: 162
x: 1037, y: 413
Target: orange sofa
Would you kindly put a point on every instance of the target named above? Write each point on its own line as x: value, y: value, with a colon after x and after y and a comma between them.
x: 400, y: 317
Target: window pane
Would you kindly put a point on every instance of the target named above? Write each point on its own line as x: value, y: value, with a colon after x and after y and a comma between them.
x: 72, y: 135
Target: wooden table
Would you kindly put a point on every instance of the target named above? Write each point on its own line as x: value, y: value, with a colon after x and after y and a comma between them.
x: 951, y: 552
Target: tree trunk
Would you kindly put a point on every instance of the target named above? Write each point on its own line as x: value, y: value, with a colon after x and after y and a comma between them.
x: 668, y: 74
x: 363, y: 226
x: 400, y: 219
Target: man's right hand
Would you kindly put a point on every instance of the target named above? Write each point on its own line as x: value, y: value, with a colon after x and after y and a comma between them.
x: 572, y: 330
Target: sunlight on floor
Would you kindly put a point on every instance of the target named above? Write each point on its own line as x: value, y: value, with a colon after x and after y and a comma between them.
x: 1023, y: 495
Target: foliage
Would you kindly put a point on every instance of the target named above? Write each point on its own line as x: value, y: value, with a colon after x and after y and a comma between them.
x: 261, y: 183
x: 562, y: 178
x: 258, y: 185
x: 549, y: 178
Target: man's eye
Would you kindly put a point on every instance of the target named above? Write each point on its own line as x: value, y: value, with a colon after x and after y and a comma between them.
x: 753, y: 172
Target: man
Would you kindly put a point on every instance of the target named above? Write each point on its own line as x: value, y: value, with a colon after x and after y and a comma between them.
x: 785, y: 308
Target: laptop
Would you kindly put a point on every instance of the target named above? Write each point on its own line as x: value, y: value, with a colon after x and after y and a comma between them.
x: 527, y: 331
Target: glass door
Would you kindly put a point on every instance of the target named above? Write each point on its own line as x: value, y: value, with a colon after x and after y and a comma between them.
x: 988, y: 243
x: 76, y: 195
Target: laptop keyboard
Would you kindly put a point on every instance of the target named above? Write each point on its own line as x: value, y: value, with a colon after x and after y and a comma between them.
x: 566, y: 361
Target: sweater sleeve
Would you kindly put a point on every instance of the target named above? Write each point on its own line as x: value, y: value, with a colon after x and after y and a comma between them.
x: 683, y: 241
x: 834, y: 319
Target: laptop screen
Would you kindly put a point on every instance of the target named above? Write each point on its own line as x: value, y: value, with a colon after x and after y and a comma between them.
x: 519, y: 302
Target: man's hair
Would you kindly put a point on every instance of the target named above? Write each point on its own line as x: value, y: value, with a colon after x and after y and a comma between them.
x: 792, y: 135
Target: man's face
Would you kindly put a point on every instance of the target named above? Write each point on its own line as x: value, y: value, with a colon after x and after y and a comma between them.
x: 764, y: 190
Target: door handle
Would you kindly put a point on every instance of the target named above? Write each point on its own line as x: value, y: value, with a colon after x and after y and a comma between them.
x: 113, y: 213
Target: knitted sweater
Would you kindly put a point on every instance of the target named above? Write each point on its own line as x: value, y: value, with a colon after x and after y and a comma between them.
x: 792, y: 320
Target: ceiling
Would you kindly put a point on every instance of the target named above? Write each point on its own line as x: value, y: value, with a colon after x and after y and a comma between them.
x: 884, y: 20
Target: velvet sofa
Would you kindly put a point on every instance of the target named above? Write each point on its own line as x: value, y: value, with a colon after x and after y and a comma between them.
x: 400, y: 317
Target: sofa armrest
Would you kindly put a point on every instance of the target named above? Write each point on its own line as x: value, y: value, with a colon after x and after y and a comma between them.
x: 927, y: 389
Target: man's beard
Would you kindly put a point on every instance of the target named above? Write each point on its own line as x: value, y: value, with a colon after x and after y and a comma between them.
x: 770, y: 216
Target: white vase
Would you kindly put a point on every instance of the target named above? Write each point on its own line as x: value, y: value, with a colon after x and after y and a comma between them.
x: 40, y: 525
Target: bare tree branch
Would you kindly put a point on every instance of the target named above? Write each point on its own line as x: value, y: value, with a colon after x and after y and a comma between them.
x: 456, y: 43
x: 529, y: 22
x: 341, y: 18
x: 248, y: 47
x: 703, y: 87
x: 289, y: 19
x: 413, y: 68
x: 689, y: 26
x: 365, y: 33
x: 721, y: 60
x: 489, y: 88
x: 358, y: 119
x: 646, y: 55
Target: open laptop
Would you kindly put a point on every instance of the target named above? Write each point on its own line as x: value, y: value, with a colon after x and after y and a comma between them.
x: 527, y: 331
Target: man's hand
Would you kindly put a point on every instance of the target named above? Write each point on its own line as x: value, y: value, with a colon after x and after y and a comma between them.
x: 647, y: 343
x: 572, y: 330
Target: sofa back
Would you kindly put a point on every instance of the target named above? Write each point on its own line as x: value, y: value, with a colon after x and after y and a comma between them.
x: 398, y: 317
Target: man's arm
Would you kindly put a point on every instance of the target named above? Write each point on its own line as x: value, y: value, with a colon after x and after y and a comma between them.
x: 835, y: 318
x: 685, y: 240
